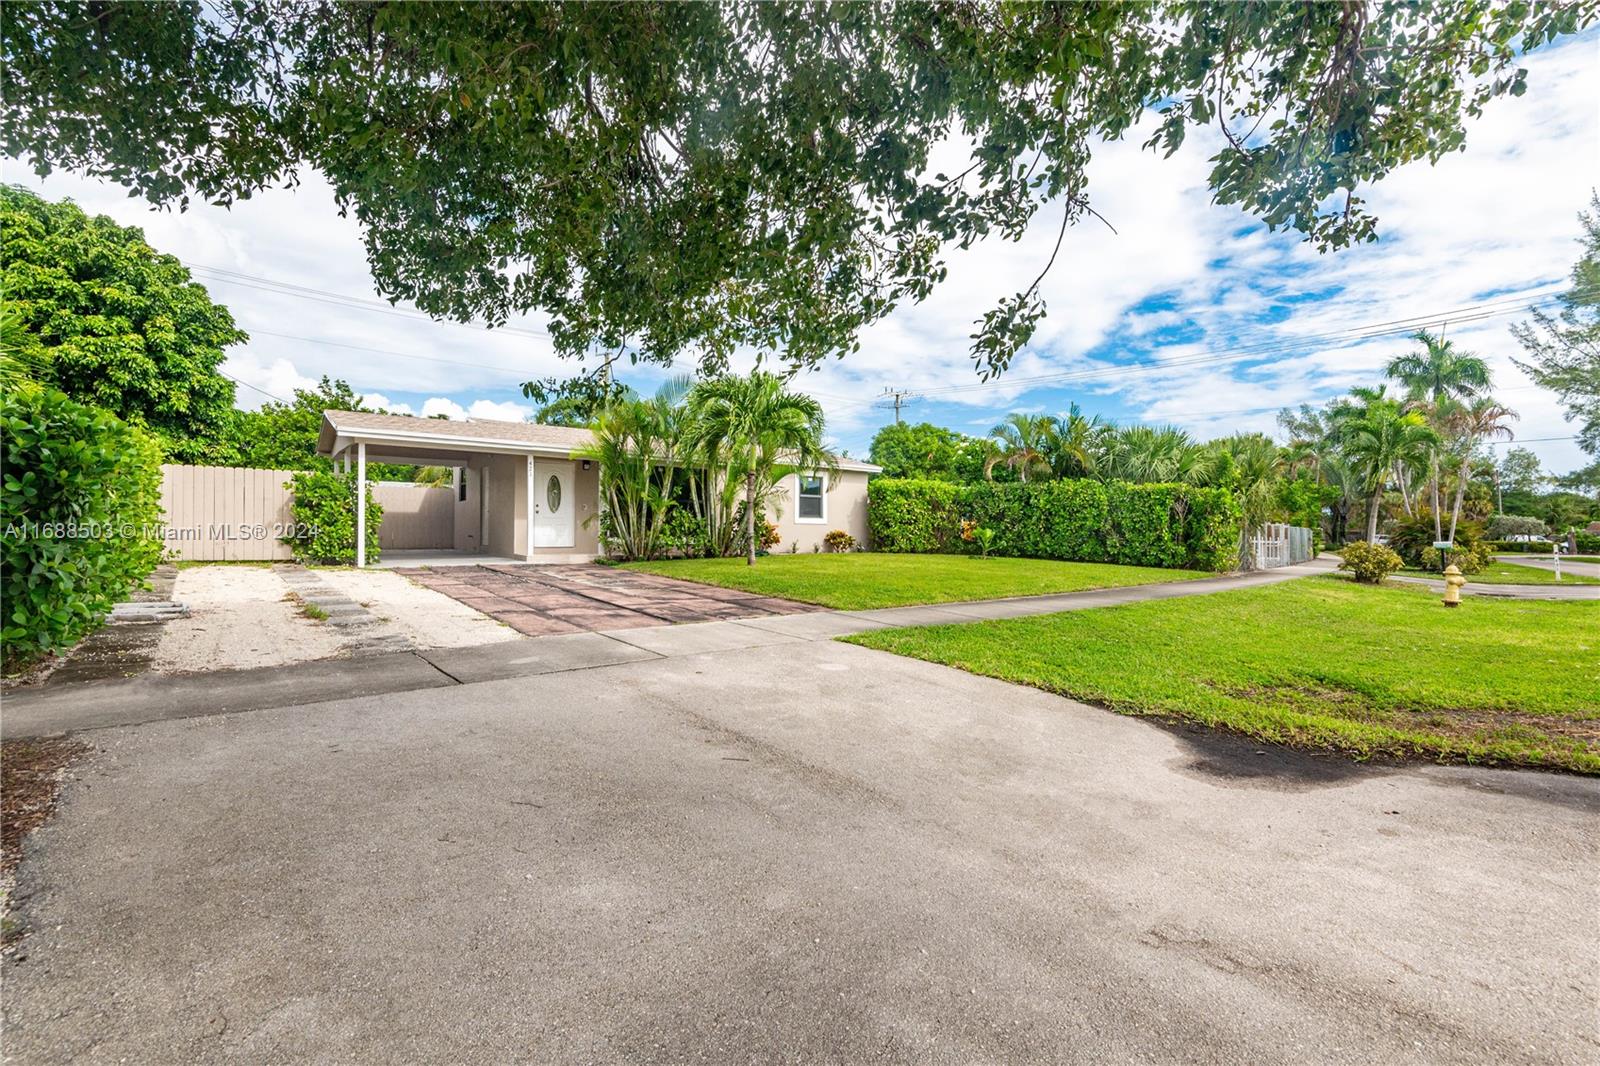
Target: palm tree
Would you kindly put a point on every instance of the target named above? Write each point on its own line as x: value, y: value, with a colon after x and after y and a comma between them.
x: 1076, y: 443
x: 1023, y: 443
x: 1433, y: 378
x: 760, y: 430
x: 1145, y: 454
x: 638, y: 445
x: 1482, y: 419
x: 1377, y: 436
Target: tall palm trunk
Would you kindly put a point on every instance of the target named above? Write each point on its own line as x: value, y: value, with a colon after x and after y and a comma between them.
x: 1372, y: 514
x: 1461, y: 492
x: 1433, y: 479
x: 750, y: 517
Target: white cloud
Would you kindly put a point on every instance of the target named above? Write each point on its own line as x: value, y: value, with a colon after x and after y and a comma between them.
x: 502, y: 412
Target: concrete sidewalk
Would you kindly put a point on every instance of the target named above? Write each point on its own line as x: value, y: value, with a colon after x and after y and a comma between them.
x: 151, y: 697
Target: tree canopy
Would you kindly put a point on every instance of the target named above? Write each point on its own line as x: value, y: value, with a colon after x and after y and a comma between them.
x: 113, y: 323
x: 1564, y: 348
x: 692, y: 178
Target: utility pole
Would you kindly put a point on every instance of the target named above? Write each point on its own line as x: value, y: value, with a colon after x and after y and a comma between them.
x: 898, y: 397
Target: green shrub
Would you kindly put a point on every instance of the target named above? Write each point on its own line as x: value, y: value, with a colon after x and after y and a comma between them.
x: 82, y: 511
x: 1078, y: 520
x: 685, y: 533
x: 1502, y: 526
x: 1468, y: 562
x: 1413, y: 537
x: 325, y: 518
x: 1536, y: 547
x: 1370, y: 563
x: 1588, y: 543
x: 838, y: 540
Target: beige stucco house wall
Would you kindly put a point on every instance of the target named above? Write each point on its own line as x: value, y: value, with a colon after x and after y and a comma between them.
x: 497, y: 464
x: 844, y: 506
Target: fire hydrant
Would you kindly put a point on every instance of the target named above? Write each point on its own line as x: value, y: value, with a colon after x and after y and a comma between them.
x: 1452, y: 585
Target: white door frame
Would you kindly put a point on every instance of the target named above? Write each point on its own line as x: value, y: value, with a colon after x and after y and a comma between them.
x: 537, y: 469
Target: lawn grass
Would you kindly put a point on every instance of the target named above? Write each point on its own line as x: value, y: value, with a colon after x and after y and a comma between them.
x: 854, y: 581
x: 1510, y: 574
x: 1316, y: 663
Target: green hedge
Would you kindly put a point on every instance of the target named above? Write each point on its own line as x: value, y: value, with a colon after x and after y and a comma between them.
x: 1084, y: 521
x: 324, y: 511
x: 1538, y: 547
x: 81, y: 507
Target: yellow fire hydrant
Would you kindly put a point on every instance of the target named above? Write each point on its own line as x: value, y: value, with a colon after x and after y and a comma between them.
x: 1452, y: 585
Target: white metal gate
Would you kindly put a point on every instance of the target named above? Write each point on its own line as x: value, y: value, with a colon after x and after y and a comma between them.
x: 1277, y: 544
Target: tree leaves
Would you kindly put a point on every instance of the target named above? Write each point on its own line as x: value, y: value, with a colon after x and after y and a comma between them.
x: 696, y: 179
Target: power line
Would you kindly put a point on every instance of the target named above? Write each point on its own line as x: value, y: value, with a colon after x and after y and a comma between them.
x: 385, y: 351
x: 305, y: 292
x: 258, y: 388
x: 1235, y: 355
x: 898, y: 397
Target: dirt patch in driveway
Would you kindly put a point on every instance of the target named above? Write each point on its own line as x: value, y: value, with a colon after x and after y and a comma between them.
x: 240, y: 617
x: 31, y: 773
x: 540, y: 600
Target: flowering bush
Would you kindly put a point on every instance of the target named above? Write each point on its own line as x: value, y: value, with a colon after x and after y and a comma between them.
x: 839, y: 541
x: 1369, y: 563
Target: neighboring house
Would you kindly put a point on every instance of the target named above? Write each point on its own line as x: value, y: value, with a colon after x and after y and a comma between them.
x: 513, y: 477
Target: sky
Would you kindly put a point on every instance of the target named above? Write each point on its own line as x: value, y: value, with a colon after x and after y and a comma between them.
x: 1190, y: 314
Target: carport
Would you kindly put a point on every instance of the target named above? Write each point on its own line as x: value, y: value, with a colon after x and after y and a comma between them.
x: 520, y: 493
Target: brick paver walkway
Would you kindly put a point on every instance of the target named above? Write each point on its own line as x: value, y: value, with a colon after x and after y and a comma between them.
x: 541, y: 600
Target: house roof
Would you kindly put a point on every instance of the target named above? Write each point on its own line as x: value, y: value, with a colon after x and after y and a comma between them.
x: 340, y: 429
x: 461, y: 434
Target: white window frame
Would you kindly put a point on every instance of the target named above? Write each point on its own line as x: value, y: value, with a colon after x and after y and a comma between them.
x: 799, y: 519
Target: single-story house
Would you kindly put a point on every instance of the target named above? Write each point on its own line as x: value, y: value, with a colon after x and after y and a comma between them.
x: 521, y: 494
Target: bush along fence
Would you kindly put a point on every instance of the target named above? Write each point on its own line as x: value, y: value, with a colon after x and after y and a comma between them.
x: 324, y: 512
x: 82, y: 517
x: 1080, y: 521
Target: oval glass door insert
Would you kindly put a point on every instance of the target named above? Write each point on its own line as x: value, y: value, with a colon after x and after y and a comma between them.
x: 552, y: 493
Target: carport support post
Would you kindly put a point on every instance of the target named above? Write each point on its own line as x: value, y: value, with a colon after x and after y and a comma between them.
x: 361, y: 505
x: 527, y: 545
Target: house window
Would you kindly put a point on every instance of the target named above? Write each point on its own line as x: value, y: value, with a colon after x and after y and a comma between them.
x: 810, y: 504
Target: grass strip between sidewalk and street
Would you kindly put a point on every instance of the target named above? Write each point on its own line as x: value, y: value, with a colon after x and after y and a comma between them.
x: 856, y: 581
x: 1317, y: 663
x: 1509, y: 574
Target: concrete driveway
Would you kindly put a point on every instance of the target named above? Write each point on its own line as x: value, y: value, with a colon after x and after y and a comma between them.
x: 803, y: 851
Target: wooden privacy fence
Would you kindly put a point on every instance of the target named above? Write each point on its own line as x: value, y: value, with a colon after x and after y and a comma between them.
x: 238, y: 514
x: 415, y: 516
x: 225, y: 512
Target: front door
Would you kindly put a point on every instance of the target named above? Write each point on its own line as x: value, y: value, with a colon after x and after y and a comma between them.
x: 553, y: 504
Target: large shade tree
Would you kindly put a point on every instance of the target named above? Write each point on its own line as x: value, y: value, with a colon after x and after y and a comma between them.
x: 700, y: 177
x: 113, y: 323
